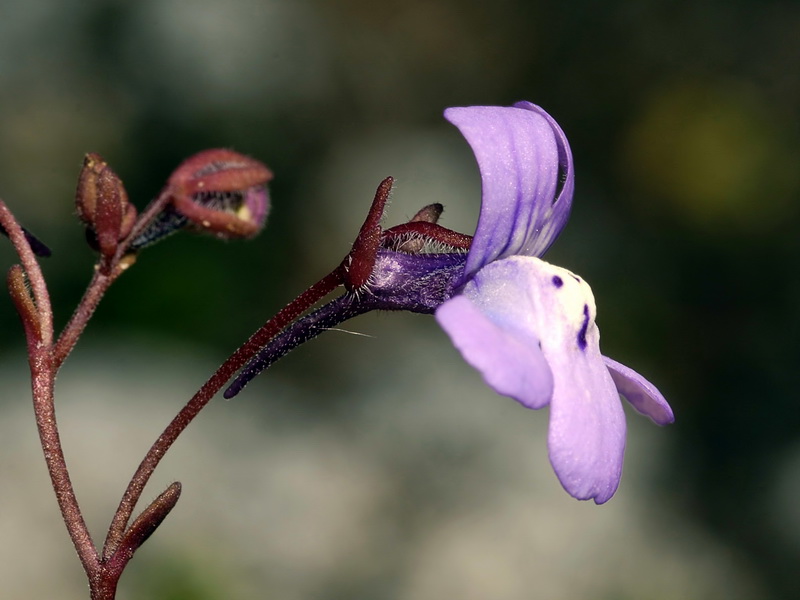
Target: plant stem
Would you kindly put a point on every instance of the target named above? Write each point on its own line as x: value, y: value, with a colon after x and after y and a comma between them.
x: 220, y: 377
x: 44, y: 409
x: 104, y: 585
x: 32, y: 270
x: 80, y: 318
x: 104, y: 275
x: 40, y: 359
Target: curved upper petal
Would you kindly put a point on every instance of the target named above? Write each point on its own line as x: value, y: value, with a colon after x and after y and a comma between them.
x: 527, y: 179
x: 554, y: 309
x: 642, y: 394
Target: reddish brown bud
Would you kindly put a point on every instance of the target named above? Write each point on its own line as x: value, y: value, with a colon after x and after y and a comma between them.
x: 102, y: 204
x: 151, y: 517
x: 21, y: 295
x: 222, y: 192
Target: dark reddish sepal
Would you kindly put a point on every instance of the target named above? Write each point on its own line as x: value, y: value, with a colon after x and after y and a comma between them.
x: 360, y: 262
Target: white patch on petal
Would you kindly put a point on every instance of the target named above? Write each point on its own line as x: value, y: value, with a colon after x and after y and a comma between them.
x: 577, y: 308
x: 586, y: 437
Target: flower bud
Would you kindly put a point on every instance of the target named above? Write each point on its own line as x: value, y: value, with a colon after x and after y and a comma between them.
x: 21, y: 295
x: 103, y: 206
x: 222, y: 192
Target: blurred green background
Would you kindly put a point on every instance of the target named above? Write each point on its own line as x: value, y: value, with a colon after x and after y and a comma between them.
x: 682, y: 117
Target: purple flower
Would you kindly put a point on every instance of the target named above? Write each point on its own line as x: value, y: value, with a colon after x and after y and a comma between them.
x: 526, y: 325
x: 529, y: 326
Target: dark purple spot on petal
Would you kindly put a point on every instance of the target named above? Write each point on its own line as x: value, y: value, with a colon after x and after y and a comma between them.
x: 557, y: 281
x: 575, y: 277
x: 584, y: 328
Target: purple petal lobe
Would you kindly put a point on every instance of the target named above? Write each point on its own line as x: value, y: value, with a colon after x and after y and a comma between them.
x: 566, y: 183
x: 586, y: 438
x: 642, y: 394
x: 509, y: 359
x: 527, y: 179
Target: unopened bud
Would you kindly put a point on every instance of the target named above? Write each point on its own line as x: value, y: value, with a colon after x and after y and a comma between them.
x: 21, y: 295
x: 222, y: 192
x: 102, y: 204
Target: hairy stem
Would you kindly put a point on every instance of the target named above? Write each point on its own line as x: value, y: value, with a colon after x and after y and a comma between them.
x: 44, y: 408
x: 106, y: 272
x: 40, y: 359
x: 32, y: 270
x: 80, y: 318
x: 187, y: 414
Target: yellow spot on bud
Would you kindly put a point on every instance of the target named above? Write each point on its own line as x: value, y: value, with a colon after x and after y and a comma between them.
x: 244, y: 213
